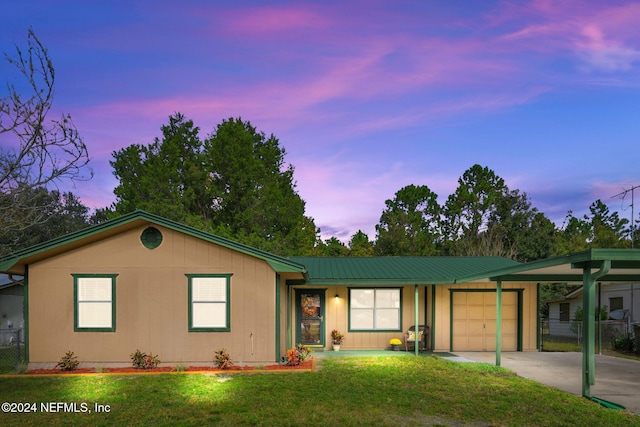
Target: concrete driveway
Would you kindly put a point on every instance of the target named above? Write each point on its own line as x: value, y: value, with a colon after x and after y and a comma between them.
x: 617, y: 380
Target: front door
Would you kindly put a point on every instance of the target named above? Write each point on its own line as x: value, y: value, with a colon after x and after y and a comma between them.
x: 310, y: 315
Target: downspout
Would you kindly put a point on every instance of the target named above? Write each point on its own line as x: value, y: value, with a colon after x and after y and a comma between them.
x: 498, y: 321
x: 588, y: 321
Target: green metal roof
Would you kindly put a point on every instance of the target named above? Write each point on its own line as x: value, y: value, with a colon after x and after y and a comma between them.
x: 14, y: 263
x: 625, y: 267
x: 398, y: 270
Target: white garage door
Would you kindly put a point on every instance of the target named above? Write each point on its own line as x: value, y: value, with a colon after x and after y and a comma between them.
x: 474, y: 321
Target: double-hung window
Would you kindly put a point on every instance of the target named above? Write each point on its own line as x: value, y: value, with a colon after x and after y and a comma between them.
x: 374, y: 309
x: 94, y: 302
x: 209, y: 302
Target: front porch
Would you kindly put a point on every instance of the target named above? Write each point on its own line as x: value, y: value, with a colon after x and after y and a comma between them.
x: 376, y: 353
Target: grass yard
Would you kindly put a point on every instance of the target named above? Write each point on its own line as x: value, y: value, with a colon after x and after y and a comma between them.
x: 353, y: 391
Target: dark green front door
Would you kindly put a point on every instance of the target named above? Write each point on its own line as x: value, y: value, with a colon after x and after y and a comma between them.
x: 310, y: 317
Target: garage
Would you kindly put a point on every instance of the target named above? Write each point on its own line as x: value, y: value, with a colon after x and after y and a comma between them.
x: 473, y: 320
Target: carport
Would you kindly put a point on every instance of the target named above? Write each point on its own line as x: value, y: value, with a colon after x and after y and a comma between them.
x: 587, y: 268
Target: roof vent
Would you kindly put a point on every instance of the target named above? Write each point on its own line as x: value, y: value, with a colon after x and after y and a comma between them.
x: 151, y: 238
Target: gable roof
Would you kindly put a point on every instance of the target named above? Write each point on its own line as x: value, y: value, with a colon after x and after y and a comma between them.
x: 392, y: 270
x: 15, y: 263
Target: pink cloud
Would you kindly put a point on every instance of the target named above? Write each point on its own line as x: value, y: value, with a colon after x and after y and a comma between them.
x: 602, y: 36
x: 267, y: 20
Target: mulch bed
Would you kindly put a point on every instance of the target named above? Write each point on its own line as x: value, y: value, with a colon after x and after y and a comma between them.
x: 303, y: 366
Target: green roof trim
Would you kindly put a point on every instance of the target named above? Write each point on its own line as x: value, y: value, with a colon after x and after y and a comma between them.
x: 392, y: 270
x: 130, y: 220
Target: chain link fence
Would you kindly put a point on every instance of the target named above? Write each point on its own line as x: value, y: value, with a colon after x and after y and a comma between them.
x: 11, y: 350
x: 566, y: 335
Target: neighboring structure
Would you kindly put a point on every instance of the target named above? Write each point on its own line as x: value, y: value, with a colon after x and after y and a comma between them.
x: 143, y: 282
x: 621, y: 301
x: 11, y: 306
x: 614, y: 296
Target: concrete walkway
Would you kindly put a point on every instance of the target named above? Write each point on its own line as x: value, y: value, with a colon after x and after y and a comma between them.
x: 617, y: 380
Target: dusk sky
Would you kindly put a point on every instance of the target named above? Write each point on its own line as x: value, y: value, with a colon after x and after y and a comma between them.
x: 365, y: 96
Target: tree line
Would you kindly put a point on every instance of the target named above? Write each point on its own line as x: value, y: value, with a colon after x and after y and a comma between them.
x: 235, y: 183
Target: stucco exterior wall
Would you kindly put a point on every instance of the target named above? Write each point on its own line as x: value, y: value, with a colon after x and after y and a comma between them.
x: 152, y: 302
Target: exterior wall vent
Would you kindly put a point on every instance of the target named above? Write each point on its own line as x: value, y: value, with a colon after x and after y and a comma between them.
x: 151, y: 238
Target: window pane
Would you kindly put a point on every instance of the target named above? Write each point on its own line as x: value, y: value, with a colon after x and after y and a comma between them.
x: 387, y: 318
x: 209, y: 289
x: 615, y: 304
x: 94, y: 289
x: 374, y: 309
x: 94, y: 315
x: 362, y: 298
x: 361, y: 319
x: 388, y: 298
x: 209, y: 315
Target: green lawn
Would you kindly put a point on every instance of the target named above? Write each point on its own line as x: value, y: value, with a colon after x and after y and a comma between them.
x: 350, y: 391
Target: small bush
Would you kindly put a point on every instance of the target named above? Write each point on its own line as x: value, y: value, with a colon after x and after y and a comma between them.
x: 179, y: 368
x: 222, y: 359
x: 68, y: 362
x: 623, y: 343
x: 144, y: 361
x: 296, y: 356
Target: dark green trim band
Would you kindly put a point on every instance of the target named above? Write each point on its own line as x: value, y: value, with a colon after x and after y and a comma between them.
x: 278, y: 304
x: 26, y: 314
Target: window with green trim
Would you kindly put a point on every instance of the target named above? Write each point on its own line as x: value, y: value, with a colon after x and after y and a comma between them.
x: 374, y: 309
x: 94, y: 302
x: 209, y: 302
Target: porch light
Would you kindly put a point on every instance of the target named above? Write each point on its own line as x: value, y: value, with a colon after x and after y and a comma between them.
x: 337, y: 297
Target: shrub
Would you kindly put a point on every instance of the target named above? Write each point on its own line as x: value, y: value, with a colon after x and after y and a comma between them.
x: 296, y: 356
x: 303, y: 352
x: 68, y: 362
x: 622, y: 342
x: 222, y: 359
x: 337, y: 337
x: 144, y: 361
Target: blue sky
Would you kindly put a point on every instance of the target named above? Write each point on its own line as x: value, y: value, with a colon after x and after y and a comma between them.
x: 365, y: 96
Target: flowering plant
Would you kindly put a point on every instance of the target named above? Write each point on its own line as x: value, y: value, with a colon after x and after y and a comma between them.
x: 222, y: 359
x: 395, y: 341
x: 337, y: 337
x: 297, y: 355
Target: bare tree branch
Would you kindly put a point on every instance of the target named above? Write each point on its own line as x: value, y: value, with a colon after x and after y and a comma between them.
x: 38, y: 152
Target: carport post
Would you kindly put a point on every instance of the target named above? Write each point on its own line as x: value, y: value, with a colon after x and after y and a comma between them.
x: 588, y: 345
x: 416, y: 314
x: 498, y: 321
x: 588, y: 324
